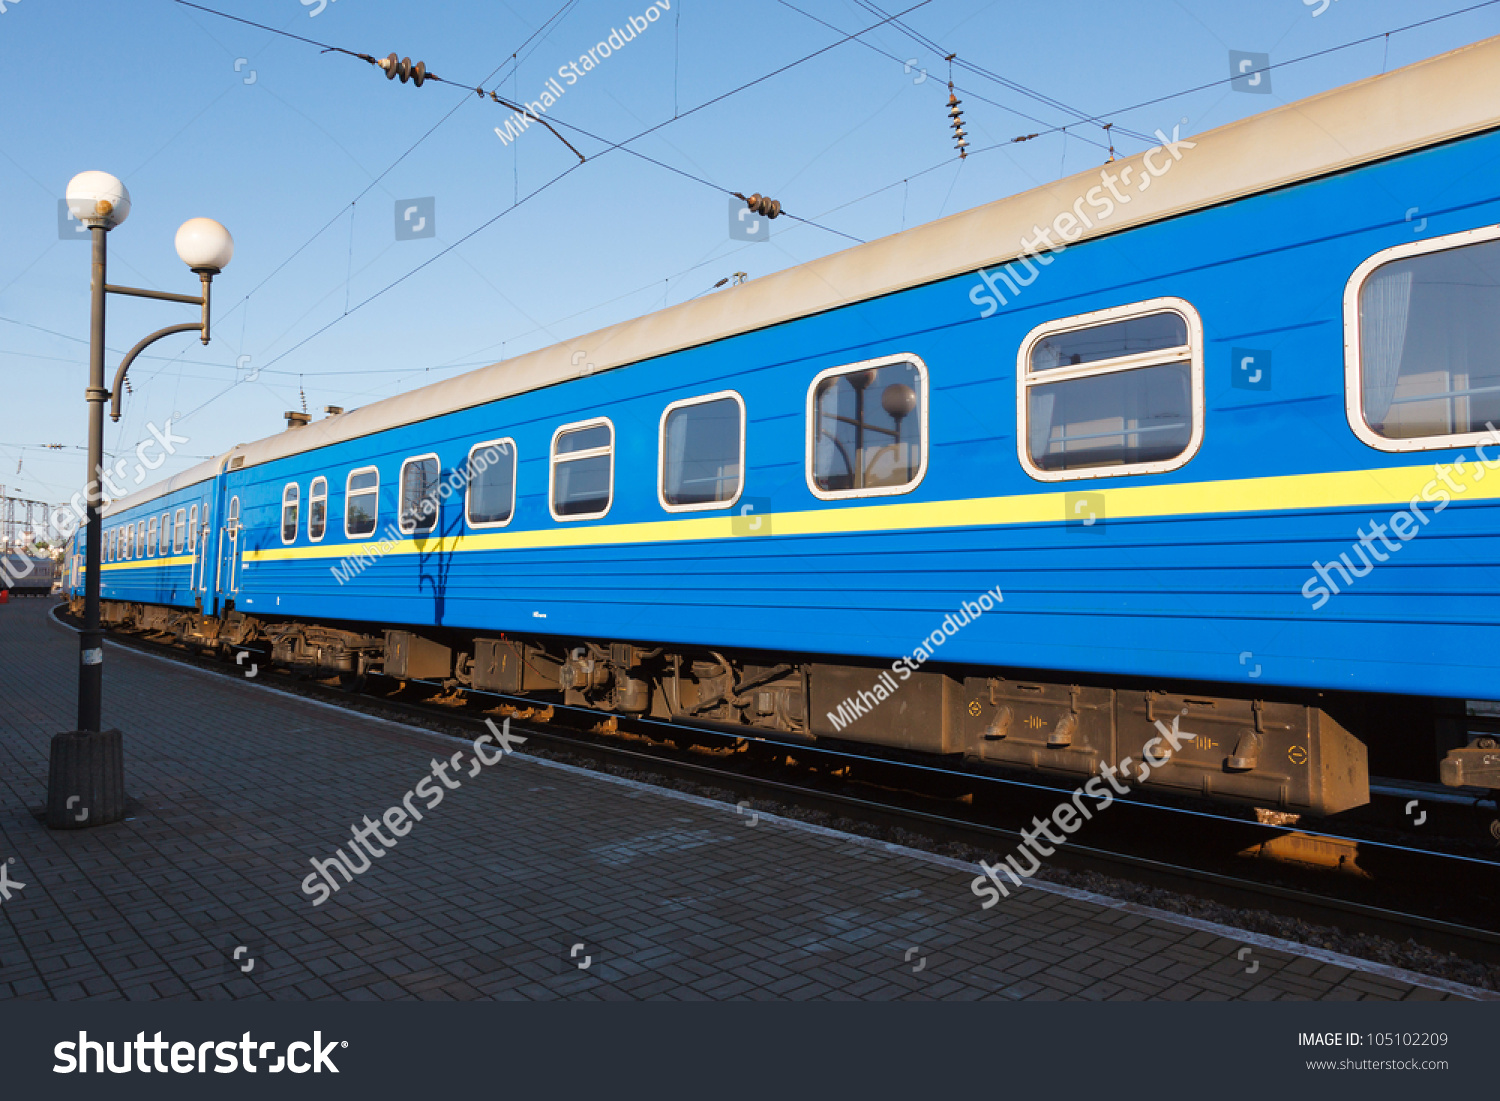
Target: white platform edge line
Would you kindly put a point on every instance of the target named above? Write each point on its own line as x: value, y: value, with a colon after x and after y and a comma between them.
x: 1258, y: 940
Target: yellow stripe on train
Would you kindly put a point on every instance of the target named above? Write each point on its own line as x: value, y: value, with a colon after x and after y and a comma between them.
x: 1338, y: 489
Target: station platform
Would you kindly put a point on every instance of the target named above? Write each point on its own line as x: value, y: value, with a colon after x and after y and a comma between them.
x: 533, y: 880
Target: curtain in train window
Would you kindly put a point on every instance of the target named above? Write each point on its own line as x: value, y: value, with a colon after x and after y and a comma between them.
x: 492, y: 483
x: 419, y: 495
x: 868, y: 425
x: 702, y: 442
x: 583, y: 463
x: 1429, y: 343
x: 1117, y: 394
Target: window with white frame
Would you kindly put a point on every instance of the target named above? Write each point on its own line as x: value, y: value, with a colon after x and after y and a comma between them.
x: 192, y: 531
x: 702, y: 456
x: 491, y: 497
x: 166, y: 534
x: 1119, y: 391
x: 179, y: 532
x: 140, y: 539
x: 417, y: 508
x: 151, y: 538
x: 291, y: 499
x: 317, y: 509
x: 361, y: 502
x: 867, y: 428
x: 1421, y: 329
x: 582, y: 470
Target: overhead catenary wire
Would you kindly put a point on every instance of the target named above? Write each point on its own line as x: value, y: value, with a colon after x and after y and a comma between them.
x: 906, y: 179
x: 609, y: 146
x: 959, y: 87
x: 981, y: 71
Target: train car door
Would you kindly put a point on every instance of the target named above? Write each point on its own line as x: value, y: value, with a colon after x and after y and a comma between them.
x: 198, y: 547
x: 226, y: 578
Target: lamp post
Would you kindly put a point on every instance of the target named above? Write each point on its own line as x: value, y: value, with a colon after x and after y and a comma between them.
x: 86, y: 779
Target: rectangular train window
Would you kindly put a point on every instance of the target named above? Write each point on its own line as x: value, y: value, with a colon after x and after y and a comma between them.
x: 491, y: 499
x: 1118, y: 391
x: 361, y: 502
x: 418, y: 506
x: 151, y: 537
x: 582, y: 470
x: 109, y: 548
x: 317, y: 509
x: 291, y: 497
x: 1421, y: 325
x: 179, y: 532
x: 867, y: 428
x: 702, y: 459
x: 166, y: 534
x: 140, y: 539
x: 193, y: 530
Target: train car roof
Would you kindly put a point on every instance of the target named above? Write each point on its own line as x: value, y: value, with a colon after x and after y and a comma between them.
x: 1449, y: 96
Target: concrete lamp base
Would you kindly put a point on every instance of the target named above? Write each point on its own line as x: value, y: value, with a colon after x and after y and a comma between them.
x: 86, y: 782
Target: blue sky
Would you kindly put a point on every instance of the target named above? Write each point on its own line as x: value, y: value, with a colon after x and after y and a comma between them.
x: 201, y: 116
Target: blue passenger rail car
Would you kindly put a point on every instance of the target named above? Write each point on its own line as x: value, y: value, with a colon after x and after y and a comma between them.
x: 1197, y: 442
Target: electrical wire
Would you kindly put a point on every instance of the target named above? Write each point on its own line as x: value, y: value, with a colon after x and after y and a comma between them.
x: 609, y: 146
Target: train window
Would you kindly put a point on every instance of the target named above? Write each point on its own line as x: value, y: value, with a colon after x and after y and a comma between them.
x: 582, y: 470
x: 151, y: 538
x: 1421, y: 322
x: 290, y: 498
x: 417, y: 509
x: 491, y: 499
x: 1119, y: 391
x: 140, y: 539
x: 317, y: 509
x: 179, y: 532
x: 361, y: 502
x: 867, y: 428
x: 166, y: 534
x: 702, y: 457
x: 192, y: 532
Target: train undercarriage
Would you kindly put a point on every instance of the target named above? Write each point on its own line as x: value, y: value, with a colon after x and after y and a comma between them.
x: 1292, y: 754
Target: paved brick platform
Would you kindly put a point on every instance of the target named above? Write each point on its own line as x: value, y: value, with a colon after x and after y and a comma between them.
x: 669, y: 896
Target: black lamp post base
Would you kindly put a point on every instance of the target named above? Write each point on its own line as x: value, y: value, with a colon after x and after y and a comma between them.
x: 86, y: 782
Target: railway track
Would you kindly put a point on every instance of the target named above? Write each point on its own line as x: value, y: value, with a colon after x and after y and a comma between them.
x: 1440, y: 890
